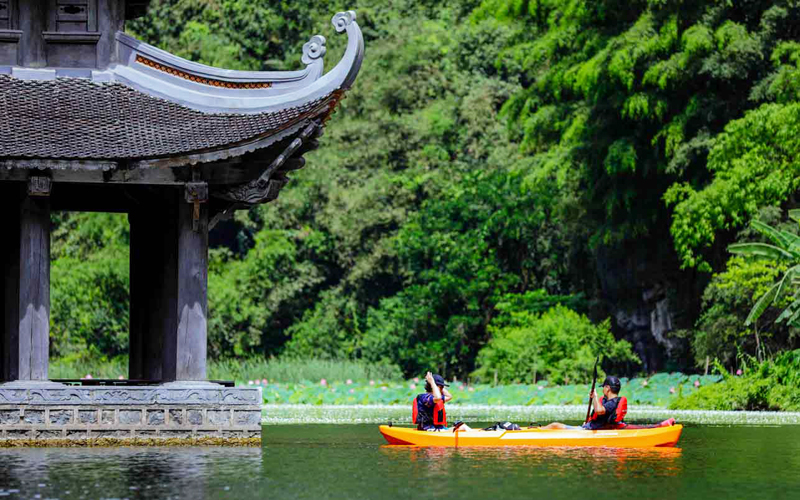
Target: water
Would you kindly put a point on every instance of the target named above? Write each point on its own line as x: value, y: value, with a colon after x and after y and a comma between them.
x: 352, y: 462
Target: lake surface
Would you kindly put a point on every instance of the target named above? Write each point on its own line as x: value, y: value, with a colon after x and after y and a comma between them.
x: 352, y: 461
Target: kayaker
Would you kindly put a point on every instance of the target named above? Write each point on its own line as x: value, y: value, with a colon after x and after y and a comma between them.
x: 604, y: 411
x: 428, y: 412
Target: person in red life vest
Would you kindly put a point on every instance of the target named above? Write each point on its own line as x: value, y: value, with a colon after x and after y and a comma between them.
x: 428, y: 408
x: 606, y: 413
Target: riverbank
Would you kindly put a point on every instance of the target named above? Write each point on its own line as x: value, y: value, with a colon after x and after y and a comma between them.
x: 273, y: 414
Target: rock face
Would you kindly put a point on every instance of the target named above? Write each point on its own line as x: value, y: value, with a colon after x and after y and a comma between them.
x: 641, y: 288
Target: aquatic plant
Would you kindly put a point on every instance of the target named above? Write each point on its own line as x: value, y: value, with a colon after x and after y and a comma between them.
x: 659, y: 390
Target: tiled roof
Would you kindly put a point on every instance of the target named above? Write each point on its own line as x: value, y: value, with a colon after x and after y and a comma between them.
x: 76, y: 118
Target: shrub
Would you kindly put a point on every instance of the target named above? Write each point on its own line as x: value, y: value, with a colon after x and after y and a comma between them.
x: 559, y: 345
x: 771, y: 385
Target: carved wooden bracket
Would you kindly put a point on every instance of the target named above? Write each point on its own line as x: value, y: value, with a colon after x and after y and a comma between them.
x: 39, y: 186
x: 266, y: 188
x: 196, y: 193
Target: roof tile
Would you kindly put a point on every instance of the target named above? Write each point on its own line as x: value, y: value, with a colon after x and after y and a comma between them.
x: 76, y: 118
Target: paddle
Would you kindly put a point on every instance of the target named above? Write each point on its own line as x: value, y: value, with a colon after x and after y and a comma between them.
x: 594, y: 382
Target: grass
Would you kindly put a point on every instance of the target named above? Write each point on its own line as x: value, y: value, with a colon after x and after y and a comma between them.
x: 72, y: 368
x: 246, y: 370
x: 297, y: 371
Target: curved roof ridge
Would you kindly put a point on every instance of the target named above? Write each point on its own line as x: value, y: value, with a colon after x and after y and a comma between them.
x: 214, y: 90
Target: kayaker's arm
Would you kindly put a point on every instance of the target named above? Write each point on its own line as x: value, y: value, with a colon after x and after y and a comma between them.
x: 598, y: 405
x: 437, y: 394
x: 447, y: 395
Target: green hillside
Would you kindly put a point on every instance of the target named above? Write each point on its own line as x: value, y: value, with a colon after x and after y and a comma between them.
x: 511, y: 186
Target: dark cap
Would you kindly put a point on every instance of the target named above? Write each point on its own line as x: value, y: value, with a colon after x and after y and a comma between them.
x: 439, y: 380
x: 613, y: 383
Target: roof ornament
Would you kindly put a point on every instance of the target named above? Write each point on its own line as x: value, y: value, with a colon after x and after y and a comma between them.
x: 343, y: 19
x: 314, y: 49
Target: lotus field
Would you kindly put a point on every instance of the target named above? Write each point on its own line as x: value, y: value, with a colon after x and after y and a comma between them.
x: 658, y: 390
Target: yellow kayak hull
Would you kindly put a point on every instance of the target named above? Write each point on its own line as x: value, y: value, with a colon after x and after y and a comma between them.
x: 617, y: 438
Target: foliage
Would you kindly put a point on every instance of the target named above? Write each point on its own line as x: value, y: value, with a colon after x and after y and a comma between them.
x: 721, y: 331
x: 89, y: 285
x: 558, y: 345
x: 785, y: 248
x: 251, y: 301
x: 770, y: 385
x: 755, y: 164
x: 489, y: 149
x: 235, y: 34
x: 445, y: 226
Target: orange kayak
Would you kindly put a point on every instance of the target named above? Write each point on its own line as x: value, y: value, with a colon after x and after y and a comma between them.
x: 621, y: 438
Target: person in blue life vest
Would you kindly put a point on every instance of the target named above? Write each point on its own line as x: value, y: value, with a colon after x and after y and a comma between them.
x: 428, y: 410
x: 606, y: 413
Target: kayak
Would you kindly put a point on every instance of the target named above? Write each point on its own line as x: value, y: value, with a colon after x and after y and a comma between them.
x: 617, y: 438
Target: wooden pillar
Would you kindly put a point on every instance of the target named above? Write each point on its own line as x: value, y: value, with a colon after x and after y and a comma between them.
x: 9, y: 267
x: 169, y: 291
x: 185, y: 346
x: 26, y: 273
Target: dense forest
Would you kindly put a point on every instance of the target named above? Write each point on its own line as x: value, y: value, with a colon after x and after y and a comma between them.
x: 511, y: 187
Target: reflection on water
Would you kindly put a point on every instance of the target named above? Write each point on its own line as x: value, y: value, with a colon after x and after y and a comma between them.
x: 122, y: 472
x: 353, y: 462
x: 621, y: 463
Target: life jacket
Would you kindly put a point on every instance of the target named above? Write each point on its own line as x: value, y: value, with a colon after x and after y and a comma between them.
x: 615, y: 421
x: 439, y: 414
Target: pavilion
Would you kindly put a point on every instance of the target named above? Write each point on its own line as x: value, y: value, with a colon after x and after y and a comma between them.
x: 92, y: 119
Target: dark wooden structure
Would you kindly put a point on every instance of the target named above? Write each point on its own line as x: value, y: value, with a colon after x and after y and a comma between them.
x: 94, y: 120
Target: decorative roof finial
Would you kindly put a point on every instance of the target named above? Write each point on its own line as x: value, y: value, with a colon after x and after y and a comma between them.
x: 314, y: 49
x: 343, y: 19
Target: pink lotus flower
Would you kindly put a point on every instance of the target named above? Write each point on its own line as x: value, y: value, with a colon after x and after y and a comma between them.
x: 88, y: 376
x: 416, y: 380
x: 697, y: 383
x: 413, y: 386
x: 672, y: 390
x: 263, y: 381
x: 352, y: 391
x: 349, y: 382
x: 383, y: 388
x: 739, y: 372
x: 258, y: 382
x: 471, y: 389
x: 461, y: 387
x: 371, y: 382
x: 323, y: 382
x: 120, y: 378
